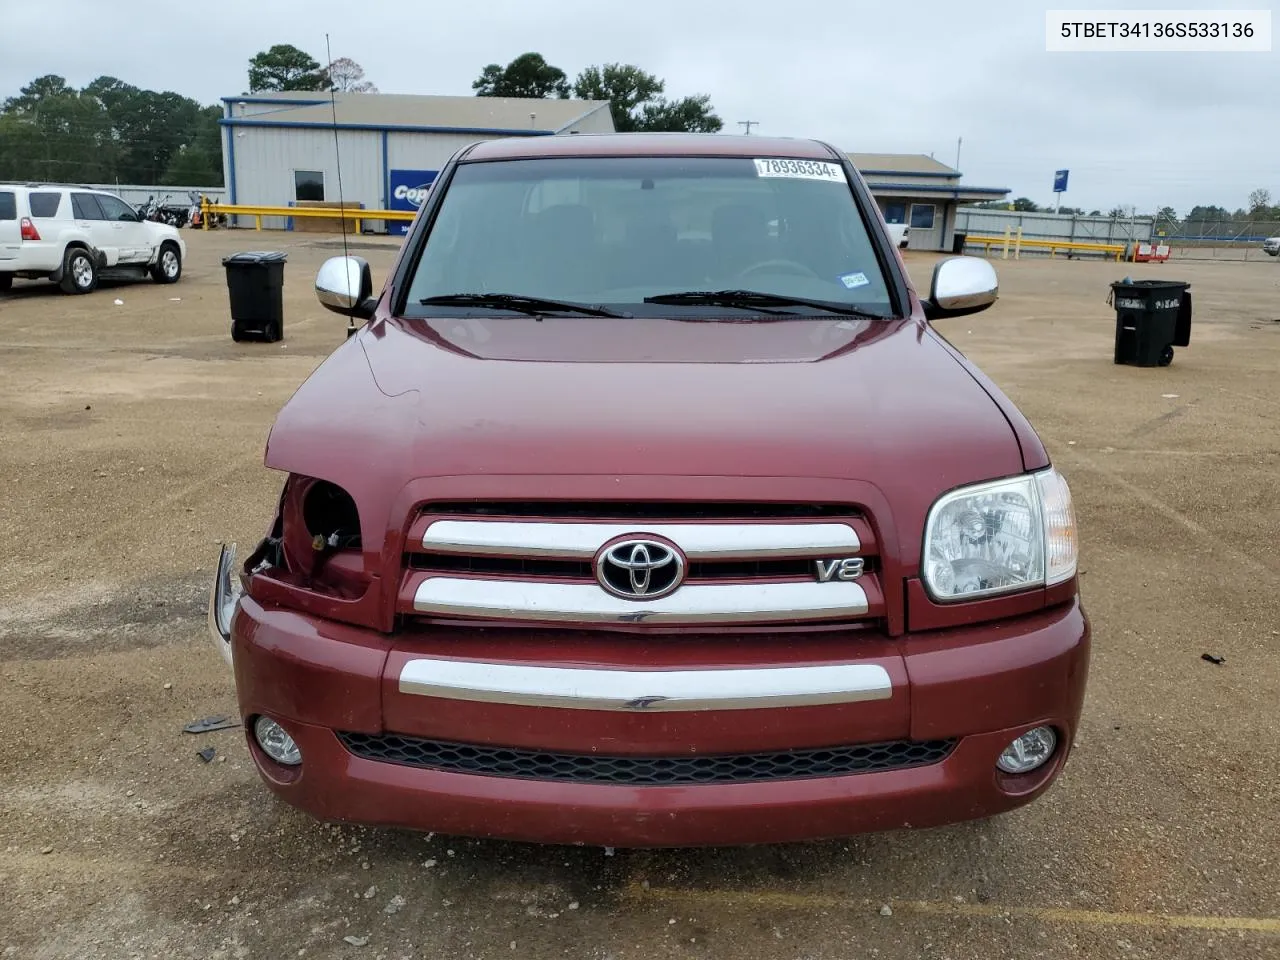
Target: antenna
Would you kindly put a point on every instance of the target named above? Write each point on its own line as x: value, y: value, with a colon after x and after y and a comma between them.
x: 337, y: 156
x: 748, y: 124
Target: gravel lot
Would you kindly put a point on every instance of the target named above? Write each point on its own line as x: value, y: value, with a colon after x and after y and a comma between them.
x: 131, y: 438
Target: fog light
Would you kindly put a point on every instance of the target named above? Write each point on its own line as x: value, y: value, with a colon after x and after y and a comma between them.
x: 1029, y: 751
x: 276, y: 742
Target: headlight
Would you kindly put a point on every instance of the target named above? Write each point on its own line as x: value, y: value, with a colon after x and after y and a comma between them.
x: 998, y: 537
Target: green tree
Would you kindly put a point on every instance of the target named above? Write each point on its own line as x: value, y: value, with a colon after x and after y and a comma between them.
x: 285, y: 67
x: 1025, y: 205
x: 193, y: 167
x: 108, y: 132
x: 1260, y: 204
x: 1095, y: 213
x: 1167, y: 214
x: 636, y: 102
x: 528, y: 75
x: 626, y: 87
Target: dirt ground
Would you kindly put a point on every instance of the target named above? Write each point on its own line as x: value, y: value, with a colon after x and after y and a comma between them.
x: 131, y: 436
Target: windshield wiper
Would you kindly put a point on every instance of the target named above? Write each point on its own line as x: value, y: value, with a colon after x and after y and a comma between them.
x: 533, y: 306
x: 754, y: 299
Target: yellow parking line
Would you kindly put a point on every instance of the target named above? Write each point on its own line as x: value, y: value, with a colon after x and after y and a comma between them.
x: 769, y: 899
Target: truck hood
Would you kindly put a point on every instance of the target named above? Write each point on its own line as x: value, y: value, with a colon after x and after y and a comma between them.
x: 881, y: 402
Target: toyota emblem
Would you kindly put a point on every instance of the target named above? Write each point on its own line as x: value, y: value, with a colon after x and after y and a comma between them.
x: 639, y: 568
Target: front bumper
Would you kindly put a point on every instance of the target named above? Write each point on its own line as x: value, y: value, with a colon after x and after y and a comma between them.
x: 980, y: 686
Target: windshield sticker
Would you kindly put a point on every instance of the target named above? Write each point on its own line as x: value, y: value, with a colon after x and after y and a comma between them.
x: 851, y: 280
x: 800, y: 169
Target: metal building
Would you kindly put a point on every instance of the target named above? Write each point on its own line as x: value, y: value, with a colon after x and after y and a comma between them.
x: 922, y: 193
x: 278, y: 149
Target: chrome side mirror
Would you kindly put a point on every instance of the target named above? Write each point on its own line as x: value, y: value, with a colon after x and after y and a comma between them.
x: 345, y: 285
x: 961, y: 285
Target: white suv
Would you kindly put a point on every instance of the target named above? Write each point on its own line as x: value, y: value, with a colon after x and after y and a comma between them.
x: 77, y: 235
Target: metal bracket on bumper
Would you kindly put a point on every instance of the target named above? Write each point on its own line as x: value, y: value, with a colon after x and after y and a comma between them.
x: 223, y: 600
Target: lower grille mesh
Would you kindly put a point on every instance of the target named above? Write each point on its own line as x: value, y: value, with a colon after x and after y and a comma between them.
x: 594, y: 768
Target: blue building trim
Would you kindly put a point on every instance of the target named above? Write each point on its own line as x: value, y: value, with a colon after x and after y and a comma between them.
x: 379, y: 128
x: 231, y: 164
x: 949, y: 190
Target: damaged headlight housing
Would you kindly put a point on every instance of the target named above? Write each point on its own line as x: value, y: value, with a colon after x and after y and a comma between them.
x: 999, y: 537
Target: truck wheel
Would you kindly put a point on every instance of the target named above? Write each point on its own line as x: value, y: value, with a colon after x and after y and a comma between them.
x: 79, y: 272
x: 1166, y: 355
x: 6, y: 281
x: 168, y: 266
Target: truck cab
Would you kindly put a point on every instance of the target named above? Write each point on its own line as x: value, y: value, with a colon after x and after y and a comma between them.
x: 646, y: 507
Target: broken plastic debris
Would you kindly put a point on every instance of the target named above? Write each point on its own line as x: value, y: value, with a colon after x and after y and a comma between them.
x: 1212, y: 659
x: 206, y: 754
x: 356, y: 941
x: 119, y: 302
x: 1169, y: 396
x: 175, y: 299
x: 210, y: 723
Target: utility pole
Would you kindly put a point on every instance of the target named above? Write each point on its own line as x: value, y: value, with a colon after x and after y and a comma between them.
x: 959, y: 140
x: 748, y: 124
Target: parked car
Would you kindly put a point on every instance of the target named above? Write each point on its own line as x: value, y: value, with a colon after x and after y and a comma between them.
x: 76, y: 236
x: 900, y: 233
x: 1272, y: 246
x: 627, y: 519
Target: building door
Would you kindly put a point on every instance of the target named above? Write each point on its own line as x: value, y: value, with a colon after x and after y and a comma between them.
x: 926, y: 226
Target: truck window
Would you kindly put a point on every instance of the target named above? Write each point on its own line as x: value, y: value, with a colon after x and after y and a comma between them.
x: 614, y: 230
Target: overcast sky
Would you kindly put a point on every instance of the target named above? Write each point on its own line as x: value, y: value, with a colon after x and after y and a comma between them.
x: 895, y: 77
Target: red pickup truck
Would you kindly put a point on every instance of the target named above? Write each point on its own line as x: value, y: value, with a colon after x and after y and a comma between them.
x: 646, y: 508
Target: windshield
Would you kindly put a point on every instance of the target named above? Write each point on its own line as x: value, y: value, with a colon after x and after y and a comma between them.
x: 614, y: 231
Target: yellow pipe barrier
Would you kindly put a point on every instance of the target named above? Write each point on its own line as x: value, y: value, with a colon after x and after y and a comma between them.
x: 1115, y: 250
x: 258, y: 211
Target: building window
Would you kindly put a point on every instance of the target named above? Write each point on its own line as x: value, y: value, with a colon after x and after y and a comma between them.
x: 922, y: 216
x: 895, y: 213
x: 308, y: 185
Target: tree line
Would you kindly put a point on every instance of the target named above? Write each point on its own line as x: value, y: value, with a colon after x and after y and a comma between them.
x: 1260, y: 210
x: 110, y: 131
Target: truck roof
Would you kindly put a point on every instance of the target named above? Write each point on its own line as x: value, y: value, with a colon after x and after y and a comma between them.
x: 649, y: 145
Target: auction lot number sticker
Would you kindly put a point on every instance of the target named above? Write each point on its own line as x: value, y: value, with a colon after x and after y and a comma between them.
x: 800, y: 169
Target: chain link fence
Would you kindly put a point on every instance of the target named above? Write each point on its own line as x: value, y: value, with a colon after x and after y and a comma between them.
x: 1216, y: 239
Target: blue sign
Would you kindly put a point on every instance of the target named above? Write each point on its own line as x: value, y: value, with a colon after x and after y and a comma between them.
x: 407, y: 190
x: 1060, y: 181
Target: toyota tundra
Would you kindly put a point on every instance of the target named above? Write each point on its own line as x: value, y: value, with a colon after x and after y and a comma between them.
x: 646, y: 507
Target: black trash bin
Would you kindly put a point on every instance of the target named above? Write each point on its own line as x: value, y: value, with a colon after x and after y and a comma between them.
x: 255, y: 281
x: 1152, y: 317
x: 957, y: 243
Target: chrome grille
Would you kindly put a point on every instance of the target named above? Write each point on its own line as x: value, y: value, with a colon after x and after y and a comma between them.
x: 534, y: 563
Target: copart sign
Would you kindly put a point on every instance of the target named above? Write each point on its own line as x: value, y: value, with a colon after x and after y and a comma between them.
x: 407, y: 189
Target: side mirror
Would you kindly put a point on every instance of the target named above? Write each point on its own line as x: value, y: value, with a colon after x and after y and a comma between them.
x: 961, y: 285
x: 345, y: 285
